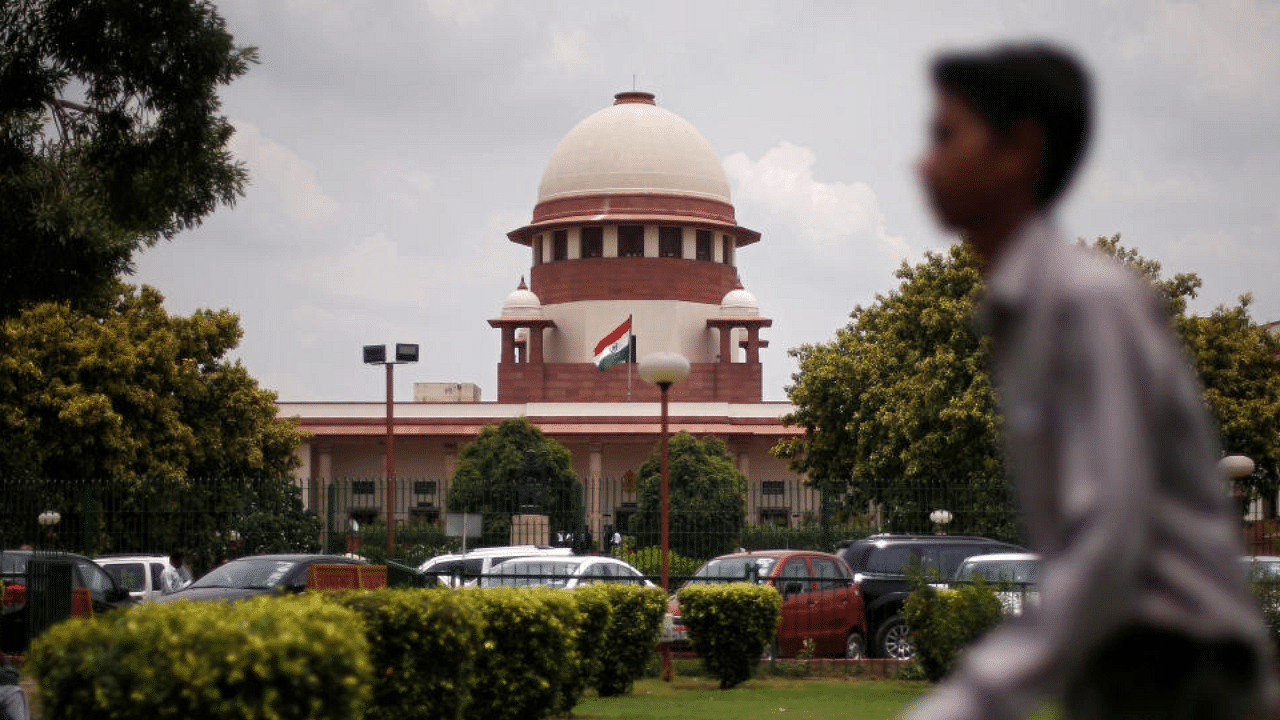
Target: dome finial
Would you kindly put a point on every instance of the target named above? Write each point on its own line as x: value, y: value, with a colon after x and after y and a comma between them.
x: 634, y: 96
x: 522, y: 286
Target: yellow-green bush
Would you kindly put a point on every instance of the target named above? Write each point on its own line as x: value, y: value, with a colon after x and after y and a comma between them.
x: 944, y: 622
x: 529, y: 664
x: 729, y: 625
x: 423, y: 645
x: 271, y: 658
x: 595, y: 618
x: 619, y: 659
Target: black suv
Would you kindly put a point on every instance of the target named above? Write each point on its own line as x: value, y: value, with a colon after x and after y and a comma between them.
x: 880, y: 563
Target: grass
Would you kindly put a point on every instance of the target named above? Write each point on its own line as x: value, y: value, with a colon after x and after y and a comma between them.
x: 699, y: 698
x: 772, y: 697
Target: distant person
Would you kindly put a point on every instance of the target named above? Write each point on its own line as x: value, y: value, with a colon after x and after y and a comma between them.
x: 1144, y: 609
x: 174, y: 577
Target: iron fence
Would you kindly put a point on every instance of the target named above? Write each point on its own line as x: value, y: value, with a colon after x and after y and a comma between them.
x: 216, y: 518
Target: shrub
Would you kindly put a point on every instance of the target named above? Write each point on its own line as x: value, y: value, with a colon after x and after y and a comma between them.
x: 595, y: 617
x: 649, y: 561
x: 529, y: 663
x: 423, y: 646
x: 944, y: 622
x: 283, y: 658
x: 809, y: 536
x: 627, y: 645
x: 729, y: 625
x: 1266, y: 589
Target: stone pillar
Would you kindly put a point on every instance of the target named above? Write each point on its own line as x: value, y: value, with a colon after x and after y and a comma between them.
x: 595, y: 510
x: 535, y: 344
x: 726, y: 344
x: 508, y: 344
x: 753, y: 344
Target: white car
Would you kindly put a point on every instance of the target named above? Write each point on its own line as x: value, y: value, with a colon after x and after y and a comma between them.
x: 466, y: 568
x: 139, y: 574
x: 563, y: 572
x: 1014, y: 576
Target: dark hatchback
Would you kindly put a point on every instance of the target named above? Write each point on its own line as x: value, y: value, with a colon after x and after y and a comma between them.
x: 85, y: 573
x: 256, y: 575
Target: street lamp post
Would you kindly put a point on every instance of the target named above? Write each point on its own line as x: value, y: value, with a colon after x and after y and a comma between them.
x: 664, y: 369
x: 940, y: 518
x: 377, y: 355
x: 47, y: 520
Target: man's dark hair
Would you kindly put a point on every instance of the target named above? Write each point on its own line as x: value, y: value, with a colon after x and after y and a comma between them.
x: 176, y: 558
x: 1041, y: 83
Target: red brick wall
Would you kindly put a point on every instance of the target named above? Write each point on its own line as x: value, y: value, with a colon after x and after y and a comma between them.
x: 582, y: 382
x: 632, y: 278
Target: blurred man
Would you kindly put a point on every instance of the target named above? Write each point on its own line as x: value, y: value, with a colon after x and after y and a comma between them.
x: 174, y: 577
x: 1144, y: 609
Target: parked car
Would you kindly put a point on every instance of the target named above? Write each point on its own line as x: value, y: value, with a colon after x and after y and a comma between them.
x: 105, y: 594
x: 562, y: 572
x: 880, y: 564
x: 1013, y: 577
x: 1262, y: 567
x: 819, y: 599
x: 139, y: 574
x: 255, y: 575
x: 466, y: 568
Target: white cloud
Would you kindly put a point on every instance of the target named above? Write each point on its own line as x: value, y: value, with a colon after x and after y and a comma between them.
x: 828, y: 214
x: 569, y: 49
x: 461, y: 12
x: 1229, y: 48
x: 369, y: 269
x: 281, y: 181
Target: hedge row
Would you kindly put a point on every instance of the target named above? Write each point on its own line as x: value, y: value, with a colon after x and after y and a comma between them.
x: 490, y: 654
x: 730, y: 625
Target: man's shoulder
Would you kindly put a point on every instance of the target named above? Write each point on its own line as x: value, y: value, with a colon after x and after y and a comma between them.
x: 1086, y: 278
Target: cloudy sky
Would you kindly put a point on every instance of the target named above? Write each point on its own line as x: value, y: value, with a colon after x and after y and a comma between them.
x: 392, y: 145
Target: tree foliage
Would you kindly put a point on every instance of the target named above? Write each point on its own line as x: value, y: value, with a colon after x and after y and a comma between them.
x: 707, y: 500
x: 512, y: 469
x: 133, y: 392
x: 135, y: 425
x: 899, y: 407
x: 110, y: 138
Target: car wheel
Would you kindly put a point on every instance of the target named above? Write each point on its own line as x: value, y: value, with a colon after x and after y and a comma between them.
x: 855, y: 648
x: 894, y: 639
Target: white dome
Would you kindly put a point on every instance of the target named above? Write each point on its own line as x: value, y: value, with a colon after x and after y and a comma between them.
x: 634, y: 146
x: 739, y: 302
x: 522, y: 303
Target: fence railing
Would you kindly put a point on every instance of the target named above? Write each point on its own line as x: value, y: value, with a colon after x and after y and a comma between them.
x: 216, y: 518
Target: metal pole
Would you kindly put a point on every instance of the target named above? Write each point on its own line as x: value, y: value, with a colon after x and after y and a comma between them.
x: 666, y: 491
x: 391, y: 465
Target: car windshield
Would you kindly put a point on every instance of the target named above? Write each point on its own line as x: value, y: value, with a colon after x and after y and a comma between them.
x: 734, y: 569
x: 130, y: 576
x: 1014, y: 571
x: 1262, y: 568
x: 549, y: 573
x: 248, y: 574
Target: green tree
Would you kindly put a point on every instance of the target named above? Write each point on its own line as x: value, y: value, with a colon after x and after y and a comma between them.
x: 899, y: 412
x: 513, y: 469
x: 110, y: 138
x: 130, y: 415
x: 707, y: 500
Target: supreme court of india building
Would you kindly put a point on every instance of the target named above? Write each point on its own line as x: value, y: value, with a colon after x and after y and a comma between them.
x: 633, y: 220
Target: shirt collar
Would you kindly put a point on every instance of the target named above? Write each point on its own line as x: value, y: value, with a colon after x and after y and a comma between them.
x: 1012, y: 280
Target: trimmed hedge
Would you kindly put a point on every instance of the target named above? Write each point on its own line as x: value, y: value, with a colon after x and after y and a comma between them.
x: 620, y: 658
x: 944, y: 622
x: 529, y: 667
x: 729, y: 625
x: 596, y: 618
x: 289, y: 658
x: 423, y: 645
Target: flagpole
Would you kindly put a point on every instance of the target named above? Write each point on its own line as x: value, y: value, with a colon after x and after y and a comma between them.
x: 631, y: 346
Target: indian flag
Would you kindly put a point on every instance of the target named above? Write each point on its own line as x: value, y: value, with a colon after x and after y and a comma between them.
x: 615, y: 348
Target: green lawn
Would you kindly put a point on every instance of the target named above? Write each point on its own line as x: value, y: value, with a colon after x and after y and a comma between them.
x: 699, y: 698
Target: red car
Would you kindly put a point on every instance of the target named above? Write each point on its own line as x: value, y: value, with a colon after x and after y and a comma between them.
x: 819, y: 599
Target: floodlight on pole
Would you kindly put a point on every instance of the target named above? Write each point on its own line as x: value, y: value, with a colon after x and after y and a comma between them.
x: 377, y: 355
x: 664, y: 369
